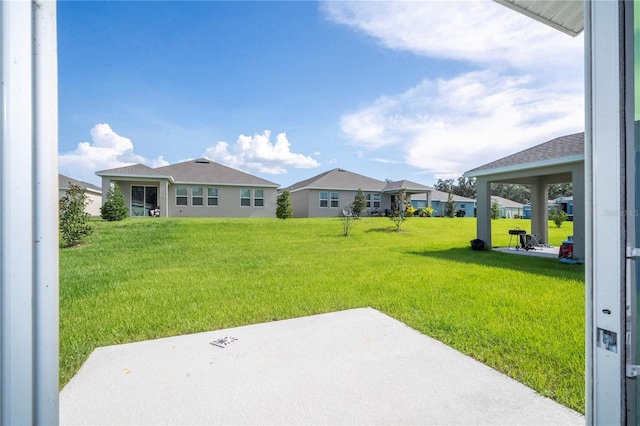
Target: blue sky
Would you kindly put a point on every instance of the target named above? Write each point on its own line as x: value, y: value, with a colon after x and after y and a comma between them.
x: 287, y: 90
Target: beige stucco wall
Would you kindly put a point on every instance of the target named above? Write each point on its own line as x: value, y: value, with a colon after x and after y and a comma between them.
x: 306, y: 203
x: 95, y: 201
x: 228, y: 200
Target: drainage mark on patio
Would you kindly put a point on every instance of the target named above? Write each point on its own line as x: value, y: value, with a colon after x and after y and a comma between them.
x: 223, y: 342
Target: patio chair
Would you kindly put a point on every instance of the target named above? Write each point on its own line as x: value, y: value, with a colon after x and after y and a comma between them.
x: 530, y: 241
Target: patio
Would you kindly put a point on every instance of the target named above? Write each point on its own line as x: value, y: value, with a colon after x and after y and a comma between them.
x: 350, y: 367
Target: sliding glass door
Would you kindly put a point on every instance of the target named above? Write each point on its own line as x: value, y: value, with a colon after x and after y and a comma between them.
x: 143, y: 199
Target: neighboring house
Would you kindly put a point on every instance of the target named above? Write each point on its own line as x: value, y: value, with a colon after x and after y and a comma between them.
x: 327, y: 194
x: 463, y: 206
x: 565, y: 203
x: 508, y: 209
x: 93, y: 192
x: 195, y: 188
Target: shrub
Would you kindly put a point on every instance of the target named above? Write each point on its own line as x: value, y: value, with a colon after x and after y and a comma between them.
x: 347, y: 218
x: 450, y: 206
x: 74, y: 221
x: 398, y: 211
x: 359, y: 205
x: 284, y: 210
x: 427, y: 211
x: 114, y: 207
x: 557, y: 215
x: 495, y: 210
x: 410, y: 210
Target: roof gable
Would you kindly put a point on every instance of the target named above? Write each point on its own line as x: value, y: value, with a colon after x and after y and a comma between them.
x: 407, y: 185
x: 203, y: 170
x: 65, y: 182
x: 133, y: 170
x: 505, y: 202
x: 567, y: 147
x: 339, y: 179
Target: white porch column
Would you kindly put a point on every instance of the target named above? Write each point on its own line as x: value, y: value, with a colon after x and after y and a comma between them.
x: 539, y: 213
x: 163, y: 198
x: 28, y: 213
x: 483, y: 210
x: 577, y: 176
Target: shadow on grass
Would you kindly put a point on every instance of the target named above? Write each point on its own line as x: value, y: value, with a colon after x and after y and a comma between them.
x: 494, y: 259
x: 388, y: 230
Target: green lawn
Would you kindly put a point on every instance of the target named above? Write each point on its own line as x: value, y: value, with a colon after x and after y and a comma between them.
x: 149, y: 278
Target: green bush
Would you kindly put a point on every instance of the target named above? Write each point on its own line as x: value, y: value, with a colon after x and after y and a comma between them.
x: 283, y: 208
x: 427, y: 211
x: 557, y: 215
x: 114, y: 207
x: 495, y: 210
x: 359, y: 205
x: 74, y: 221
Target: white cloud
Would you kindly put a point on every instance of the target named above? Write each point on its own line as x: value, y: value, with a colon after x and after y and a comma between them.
x: 257, y: 153
x: 108, y: 150
x: 481, y: 32
x: 449, y: 126
x: 523, y: 84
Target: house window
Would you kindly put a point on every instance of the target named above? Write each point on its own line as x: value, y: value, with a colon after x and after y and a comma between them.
x: 245, y: 197
x: 258, y: 198
x: 376, y: 201
x: 212, y: 196
x: 324, y: 199
x: 197, y: 197
x: 334, y: 199
x: 181, y: 196
x: 368, y: 200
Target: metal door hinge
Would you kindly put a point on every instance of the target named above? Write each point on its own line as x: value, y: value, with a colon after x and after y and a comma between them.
x: 633, y: 252
x: 633, y: 370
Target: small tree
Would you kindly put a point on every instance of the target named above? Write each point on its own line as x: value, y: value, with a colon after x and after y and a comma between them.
x: 74, y: 221
x: 495, y: 210
x: 359, y: 204
x: 557, y: 215
x: 398, y: 210
x: 450, y: 206
x: 114, y: 207
x: 284, y: 210
x: 347, y: 219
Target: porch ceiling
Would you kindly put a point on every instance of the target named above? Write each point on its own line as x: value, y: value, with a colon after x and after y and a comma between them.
x: 563, y: 15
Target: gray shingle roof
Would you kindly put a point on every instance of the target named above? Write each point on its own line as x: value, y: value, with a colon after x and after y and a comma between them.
x: 65, y: 182
x: 210, y: 172
x: 407, y: 185
x: 339, y: 179
x: 564, y: 146
x: 134, y: 170
x: 505, y: 202
x: 192, y: 171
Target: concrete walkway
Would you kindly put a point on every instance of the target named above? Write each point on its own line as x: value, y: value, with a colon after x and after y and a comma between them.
x: 351, y: 367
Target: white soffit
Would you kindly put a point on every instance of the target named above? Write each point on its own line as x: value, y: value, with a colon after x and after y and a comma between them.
x: 564, y: 15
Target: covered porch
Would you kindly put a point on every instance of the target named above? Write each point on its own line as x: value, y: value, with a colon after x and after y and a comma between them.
x: 560, y: 160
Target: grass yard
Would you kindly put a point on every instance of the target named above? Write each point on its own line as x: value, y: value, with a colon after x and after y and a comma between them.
x: 147, y: 278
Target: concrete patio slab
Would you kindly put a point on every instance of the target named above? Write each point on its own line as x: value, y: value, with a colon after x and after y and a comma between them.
x: 550, y: 252
x: 351, y: 367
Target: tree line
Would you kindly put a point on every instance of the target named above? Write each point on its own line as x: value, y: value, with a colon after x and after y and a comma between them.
x: 466, y: 187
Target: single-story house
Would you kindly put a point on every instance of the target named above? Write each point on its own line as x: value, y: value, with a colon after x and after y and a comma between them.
x: 559, y: 160
x: 93, y: 193
x: 463, y: 206
x: 508, y: 209
x: 327, y: 194
x: 194, y: 188
x: 565, y: 203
